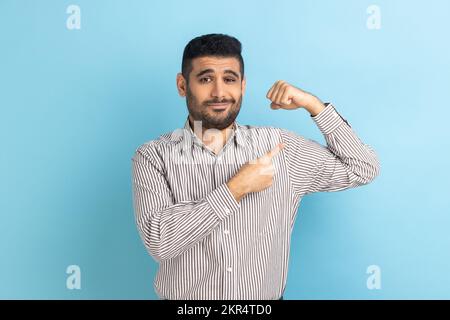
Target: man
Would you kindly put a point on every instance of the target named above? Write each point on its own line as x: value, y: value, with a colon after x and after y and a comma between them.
x: 215, y: 202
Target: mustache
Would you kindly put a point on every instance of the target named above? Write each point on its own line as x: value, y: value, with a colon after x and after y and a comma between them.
x: 218, y: 101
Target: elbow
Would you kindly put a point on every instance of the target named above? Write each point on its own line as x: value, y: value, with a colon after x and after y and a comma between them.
x: 155, y: 251
x: 158, y: 247
x: 156, y: 256
x: 373, y: 171
x: 158, y: 252
x: 151, y: 238
x: 152, y: 246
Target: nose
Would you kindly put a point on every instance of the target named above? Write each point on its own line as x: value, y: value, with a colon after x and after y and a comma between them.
x: 218, y: 90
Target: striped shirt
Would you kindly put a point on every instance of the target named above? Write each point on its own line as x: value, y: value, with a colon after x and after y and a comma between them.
x: 208, y: 245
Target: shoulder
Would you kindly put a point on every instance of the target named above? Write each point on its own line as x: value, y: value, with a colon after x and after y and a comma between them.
x: 153, y: 150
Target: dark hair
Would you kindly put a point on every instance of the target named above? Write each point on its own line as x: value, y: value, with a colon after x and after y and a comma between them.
x: 214, y: 44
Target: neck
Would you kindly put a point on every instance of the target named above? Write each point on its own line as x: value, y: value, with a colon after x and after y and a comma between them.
x: 213, y: 138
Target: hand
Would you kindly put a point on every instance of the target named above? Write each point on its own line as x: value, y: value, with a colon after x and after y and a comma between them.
x: 255, y: 175
x: 285, y: 96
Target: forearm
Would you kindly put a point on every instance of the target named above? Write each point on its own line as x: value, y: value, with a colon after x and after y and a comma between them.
x: 170, y: 231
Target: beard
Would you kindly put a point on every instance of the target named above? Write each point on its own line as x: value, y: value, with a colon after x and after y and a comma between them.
x: 211, y: 119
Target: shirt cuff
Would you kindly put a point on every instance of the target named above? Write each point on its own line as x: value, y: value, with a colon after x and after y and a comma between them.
x: 222, y: 201
x: 328, y: 119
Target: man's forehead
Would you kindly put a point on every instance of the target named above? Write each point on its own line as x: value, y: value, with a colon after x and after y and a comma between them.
x: 218, y: 64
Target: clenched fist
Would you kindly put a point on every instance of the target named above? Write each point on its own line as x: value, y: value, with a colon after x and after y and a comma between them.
x: 255, y: 175
x: 286, y: 96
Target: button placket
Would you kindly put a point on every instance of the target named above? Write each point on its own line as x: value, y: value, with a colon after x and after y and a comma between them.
x: 220, y: 172
x: 229, y: 261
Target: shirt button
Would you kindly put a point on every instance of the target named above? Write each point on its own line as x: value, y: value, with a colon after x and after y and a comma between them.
x: 227, y: 211
x: 229, y: 269
x: 226, y: 231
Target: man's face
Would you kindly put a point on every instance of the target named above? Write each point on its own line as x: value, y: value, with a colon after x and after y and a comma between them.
x: 214, y: 91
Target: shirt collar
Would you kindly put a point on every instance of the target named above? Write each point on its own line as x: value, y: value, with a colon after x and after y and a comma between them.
x: 190, y: 138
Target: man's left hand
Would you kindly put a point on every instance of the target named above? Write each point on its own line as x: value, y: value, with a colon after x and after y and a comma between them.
x: 286, y: 96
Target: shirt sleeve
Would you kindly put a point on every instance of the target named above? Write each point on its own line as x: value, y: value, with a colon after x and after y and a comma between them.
x: 345, y: 162
x: 167, y: 228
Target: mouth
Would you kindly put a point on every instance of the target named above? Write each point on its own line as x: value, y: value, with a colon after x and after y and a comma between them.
x: 219, y: 106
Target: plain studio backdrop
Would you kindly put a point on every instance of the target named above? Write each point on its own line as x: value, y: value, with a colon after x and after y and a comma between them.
x: 84, y: 83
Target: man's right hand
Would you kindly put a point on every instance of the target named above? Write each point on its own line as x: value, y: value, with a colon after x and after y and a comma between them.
x: 255, y: 175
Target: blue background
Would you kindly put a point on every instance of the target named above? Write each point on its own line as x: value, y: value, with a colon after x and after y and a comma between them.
x: 75, y: 104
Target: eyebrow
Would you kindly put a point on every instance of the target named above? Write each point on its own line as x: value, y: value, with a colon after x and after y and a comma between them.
x: 229, y: 71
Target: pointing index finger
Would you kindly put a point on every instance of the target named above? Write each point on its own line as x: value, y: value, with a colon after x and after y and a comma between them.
x: 272, y: 153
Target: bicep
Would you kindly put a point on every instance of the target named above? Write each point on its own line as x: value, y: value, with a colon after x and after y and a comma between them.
x: 313, y: 167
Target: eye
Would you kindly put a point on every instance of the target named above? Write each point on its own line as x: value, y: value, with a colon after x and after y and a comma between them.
x: 230, y: 80
x: 203, y: 80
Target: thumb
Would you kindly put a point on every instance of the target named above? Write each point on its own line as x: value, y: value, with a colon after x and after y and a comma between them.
x: 275, y: 106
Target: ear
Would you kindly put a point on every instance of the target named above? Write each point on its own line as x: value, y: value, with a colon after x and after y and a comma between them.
x: 244, y: 84
x: 181, y: 85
